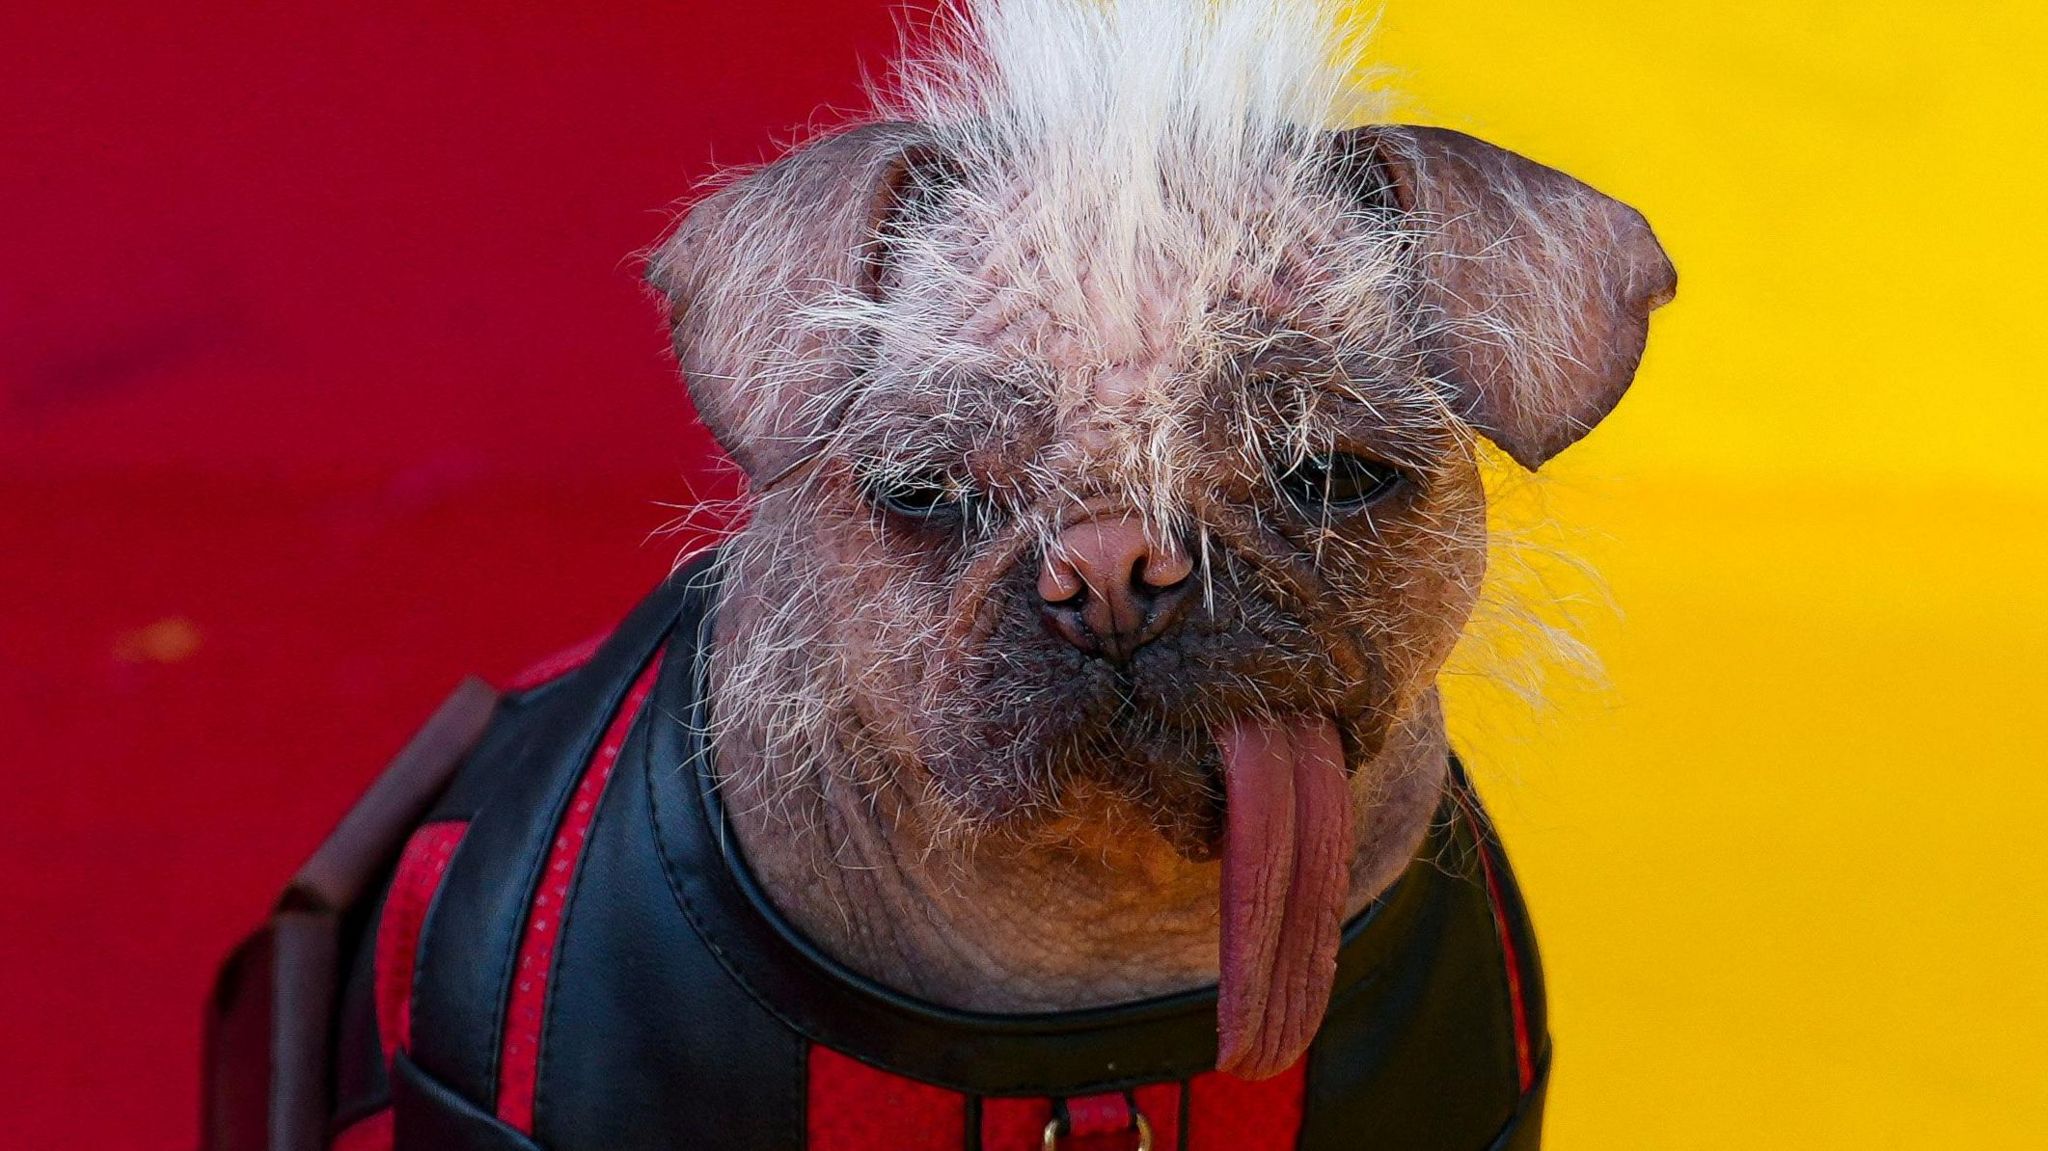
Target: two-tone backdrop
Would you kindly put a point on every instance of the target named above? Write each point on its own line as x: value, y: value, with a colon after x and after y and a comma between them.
x: 325, y: 378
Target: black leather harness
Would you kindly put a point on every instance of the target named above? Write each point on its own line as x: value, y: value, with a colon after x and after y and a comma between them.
x: 681, y: 1011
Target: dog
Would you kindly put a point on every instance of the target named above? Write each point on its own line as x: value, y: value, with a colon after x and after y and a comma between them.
x: 1054, y: 757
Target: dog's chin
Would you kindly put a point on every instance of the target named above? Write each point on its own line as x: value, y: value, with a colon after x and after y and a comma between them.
x: 1174, y: 783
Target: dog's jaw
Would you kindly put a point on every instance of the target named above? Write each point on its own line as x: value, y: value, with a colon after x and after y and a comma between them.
x: 1091, y: 910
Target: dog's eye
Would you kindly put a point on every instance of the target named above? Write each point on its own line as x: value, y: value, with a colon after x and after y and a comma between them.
x: 932, y: 495
x: 1338, y: 481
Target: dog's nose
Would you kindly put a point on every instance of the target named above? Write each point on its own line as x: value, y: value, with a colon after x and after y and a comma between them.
x: 1108, y: 588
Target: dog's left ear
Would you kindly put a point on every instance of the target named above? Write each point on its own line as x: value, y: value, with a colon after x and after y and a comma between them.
x: 1537, y: 290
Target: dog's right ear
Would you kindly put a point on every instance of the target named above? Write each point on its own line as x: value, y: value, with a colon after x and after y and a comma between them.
x: 746, y: 263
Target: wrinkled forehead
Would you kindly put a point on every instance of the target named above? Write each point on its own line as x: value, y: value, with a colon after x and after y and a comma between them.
x: 1101, y: 308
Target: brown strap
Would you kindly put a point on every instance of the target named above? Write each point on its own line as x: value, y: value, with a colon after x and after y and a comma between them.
x: 268, y: 1046
x: 369, y: 836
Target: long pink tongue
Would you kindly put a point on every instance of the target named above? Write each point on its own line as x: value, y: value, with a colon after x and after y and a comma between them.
x: 1286, y: 875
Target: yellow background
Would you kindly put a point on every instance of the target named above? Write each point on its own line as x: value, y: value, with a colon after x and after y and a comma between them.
x: 1787, y: 863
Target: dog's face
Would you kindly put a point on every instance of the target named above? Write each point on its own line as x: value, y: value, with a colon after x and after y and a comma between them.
x: 1093, y: 531
x: 1131, y: 480
x: 1044, y: 510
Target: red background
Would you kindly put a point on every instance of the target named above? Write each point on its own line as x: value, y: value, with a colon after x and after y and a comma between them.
x: 325, y: 378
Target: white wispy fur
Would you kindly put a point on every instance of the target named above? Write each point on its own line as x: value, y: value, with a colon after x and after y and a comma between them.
x: 1118, y: 173
x: 1122, y: 172
x: 1112, y: 110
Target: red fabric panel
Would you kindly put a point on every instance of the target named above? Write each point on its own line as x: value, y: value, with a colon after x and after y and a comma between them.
x: 557, y: 665
x: 519, y: 1057
x: 421, y: 867
x: 1014, y: 1124
x: 1226, y: 1113
x: 854, y: 1107
x: 371, y: 1133
x: 1525, y: 1066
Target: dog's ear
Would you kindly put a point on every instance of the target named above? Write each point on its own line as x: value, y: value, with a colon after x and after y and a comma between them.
x: 1536, y: 290
x: 747, y: 263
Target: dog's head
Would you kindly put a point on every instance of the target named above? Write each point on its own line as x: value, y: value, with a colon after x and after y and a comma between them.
x: 1111, y: 435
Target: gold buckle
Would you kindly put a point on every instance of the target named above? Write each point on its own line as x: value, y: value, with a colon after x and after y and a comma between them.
x: 1052, y: 1132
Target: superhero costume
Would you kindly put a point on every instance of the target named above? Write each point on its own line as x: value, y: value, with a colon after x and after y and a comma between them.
x: 536, y: 932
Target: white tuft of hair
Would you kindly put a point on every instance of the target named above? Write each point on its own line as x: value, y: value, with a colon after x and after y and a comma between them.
x: 1151, y: 84
x: 1130, y: 114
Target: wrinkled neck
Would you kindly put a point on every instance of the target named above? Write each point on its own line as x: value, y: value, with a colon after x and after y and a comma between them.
x: 1092, y: 910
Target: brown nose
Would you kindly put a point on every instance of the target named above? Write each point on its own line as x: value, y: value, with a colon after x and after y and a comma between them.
x: 1108, y: 589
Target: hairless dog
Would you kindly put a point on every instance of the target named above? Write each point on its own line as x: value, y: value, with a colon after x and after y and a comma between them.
x: 1111, y: 418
